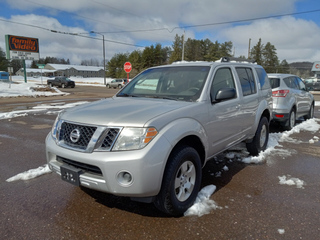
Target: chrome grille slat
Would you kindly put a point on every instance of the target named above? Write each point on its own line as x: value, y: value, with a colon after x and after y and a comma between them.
x: 110, y: 138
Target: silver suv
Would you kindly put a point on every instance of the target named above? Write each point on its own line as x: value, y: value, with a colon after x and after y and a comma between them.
x: 291, y: 100
x: 152, y: 139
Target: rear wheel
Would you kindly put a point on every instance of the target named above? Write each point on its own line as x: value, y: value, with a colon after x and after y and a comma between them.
x: 292, y: 120
x: 108, y: 86
x: 181, y: 181
x: 63, y: 85
x: 261, y: 138
x: 119, y: 86
x: 310, y: 114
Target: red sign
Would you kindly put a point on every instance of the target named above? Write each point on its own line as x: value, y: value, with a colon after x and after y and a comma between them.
x: 127, y: 67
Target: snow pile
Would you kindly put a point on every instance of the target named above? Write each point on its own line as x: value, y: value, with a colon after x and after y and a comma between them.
x: 25, y: 90
x: 203, y: 204
x: 311, y: 125
x: 32, y: 173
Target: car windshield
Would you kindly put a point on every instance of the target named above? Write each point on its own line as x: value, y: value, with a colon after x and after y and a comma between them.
x: 275, y: 82
x: 174, y: 82
x: 68, y: 79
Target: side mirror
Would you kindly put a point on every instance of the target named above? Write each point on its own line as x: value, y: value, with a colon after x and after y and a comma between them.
x: 224, y: 94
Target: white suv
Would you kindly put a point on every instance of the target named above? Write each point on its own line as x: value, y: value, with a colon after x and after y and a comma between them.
x: 152, y: 139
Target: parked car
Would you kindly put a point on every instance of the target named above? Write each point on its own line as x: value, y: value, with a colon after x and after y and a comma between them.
x: 312, y: 84
x: 151, y: 140
x: 117, y: 83
x: 62, y: 82
x: 291, y: 100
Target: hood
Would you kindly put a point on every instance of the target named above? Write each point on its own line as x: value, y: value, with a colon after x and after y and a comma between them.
x: 121, y: 111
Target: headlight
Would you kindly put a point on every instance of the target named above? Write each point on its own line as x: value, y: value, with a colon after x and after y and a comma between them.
x: 55, y: 130
x: 134, y: 138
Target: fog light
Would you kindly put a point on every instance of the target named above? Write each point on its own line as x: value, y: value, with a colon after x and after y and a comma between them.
x: 125, y: 178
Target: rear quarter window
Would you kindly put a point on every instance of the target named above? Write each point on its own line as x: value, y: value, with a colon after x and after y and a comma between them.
x: 275, y: 82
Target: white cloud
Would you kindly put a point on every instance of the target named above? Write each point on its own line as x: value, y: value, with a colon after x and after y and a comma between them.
x: 295, y: 39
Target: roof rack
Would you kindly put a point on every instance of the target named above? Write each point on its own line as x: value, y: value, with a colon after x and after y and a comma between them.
x: 233, y: 59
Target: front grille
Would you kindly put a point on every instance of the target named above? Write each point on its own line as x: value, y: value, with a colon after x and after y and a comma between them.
x: 86, y: 133
x: 110, y: 138
x: 83, y: 166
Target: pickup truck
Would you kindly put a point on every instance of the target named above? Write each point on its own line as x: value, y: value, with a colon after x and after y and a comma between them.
x: 62, y: 82
x: 151, y: 140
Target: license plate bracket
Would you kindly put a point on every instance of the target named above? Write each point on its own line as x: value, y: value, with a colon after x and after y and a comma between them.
x: 70, y: 174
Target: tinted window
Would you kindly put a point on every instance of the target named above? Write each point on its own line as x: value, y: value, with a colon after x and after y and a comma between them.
x: 263, y: 78
x: 275, y: 82
x: 183, y: 83
x: 247, y: 81
x: 222, y: 79
x: 301, y: 84
x: 291, y: 82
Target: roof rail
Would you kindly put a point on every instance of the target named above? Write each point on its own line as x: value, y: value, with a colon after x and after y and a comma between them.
x: 233, y: 59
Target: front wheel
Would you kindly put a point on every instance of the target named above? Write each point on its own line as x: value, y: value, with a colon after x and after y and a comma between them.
x: 261, y: 138
x: 181, y: 181
x: 63, y: 85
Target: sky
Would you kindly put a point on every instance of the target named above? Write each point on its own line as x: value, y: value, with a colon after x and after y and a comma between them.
x: 204, y: 203
x: 64, y: 27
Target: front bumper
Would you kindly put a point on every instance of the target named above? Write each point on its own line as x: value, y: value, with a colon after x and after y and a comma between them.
x: 146, y: 167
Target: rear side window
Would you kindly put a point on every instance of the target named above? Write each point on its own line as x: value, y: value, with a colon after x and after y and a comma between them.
x: 247, y: 80
x: 263, y: 78
x: 275, y: 82
x: 291, y: 82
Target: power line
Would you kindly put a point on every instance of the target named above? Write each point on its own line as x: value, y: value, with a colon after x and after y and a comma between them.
x: 68, y: 33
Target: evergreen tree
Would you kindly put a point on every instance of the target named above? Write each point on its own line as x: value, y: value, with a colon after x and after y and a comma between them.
x: 225, y: 49
x: 136, y: 62
x: 176, y: 54
x: 270, y: 58
x: 16, y: 64
x: 3, y: 61
x: 284, y: 67
x: 256, y: 52
x: 114, y: 67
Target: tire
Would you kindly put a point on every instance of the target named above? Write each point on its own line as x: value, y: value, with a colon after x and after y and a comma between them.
x: 311, y: 113
x: 119, y: 86
x: 63, y: 85
x: 291, y: 121
x: 261, y: 138
x: 108, y: 86
x: 50, y: 85
x: 181, y: 181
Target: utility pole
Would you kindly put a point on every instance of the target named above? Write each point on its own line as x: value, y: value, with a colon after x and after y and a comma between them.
x: 104, y: 57
x: 183, y: 46
x: 249, y: 48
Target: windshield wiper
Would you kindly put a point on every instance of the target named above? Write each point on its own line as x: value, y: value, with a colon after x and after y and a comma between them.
x: 162, y: 97
x: 126, y: 95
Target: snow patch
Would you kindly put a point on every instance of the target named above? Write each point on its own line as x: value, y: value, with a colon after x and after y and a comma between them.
x: 32, y: 173
x: 291, y: 181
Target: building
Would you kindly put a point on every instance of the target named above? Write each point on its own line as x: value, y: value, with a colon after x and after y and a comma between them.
x: 316, y: 69
x: 66, y: 70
